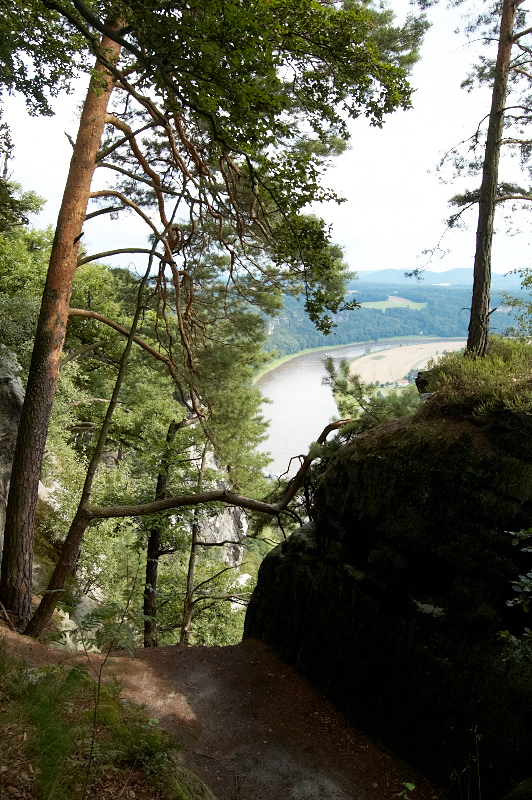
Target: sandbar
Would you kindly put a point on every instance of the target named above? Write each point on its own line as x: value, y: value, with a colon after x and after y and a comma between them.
x: 394, y: 364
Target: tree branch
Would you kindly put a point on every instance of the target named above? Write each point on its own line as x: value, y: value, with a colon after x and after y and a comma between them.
x: 217, y: 495
x: 81, y: 352
x: 218, y: 544
x: 81, y: 312
x: 96, y: 256
x: 520, y: 35
x: 128, y: 174
x: 106, y: 210
x: 127, y: 202
x: 212, y: 578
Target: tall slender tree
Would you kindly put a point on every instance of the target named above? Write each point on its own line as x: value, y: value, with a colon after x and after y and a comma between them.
x: 487, y: 199
x: 508, y: 76
x: 245, y: 160
x: 17, y: 561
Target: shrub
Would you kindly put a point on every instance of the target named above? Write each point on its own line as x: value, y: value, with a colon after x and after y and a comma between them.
x: 502, y: 380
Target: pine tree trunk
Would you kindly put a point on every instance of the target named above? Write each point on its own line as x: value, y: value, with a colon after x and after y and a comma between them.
x: 153, y: 552
x: 188, y: 604
x: 64, y: 570
x: 480, y: 303
x: 17, y: 562
x: 66, y: 562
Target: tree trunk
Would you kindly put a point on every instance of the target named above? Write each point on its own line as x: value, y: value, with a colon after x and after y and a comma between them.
x: 480, y: 303
x: 16, y: 575
x: 64, y: 569
x: 150, y: 587
x: 66, y: 563
x: 11, y: 399
x: 153, y: 552
x: 188, y: 604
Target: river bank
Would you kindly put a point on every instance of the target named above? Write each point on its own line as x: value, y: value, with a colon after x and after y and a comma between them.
x: 394, y: 364
x: 386, y: 343
x: 298, y: 404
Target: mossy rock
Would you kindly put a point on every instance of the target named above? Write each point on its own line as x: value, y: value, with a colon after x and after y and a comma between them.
x: 393, y: 605
x: 188, y: 786
x: 523, y: 791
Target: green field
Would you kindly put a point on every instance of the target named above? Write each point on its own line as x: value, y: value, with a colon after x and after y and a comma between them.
x: 394, y: 302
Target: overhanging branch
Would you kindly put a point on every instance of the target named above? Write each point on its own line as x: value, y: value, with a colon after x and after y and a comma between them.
x: 81, y: 312
x: 106, y: 253
x: 217, y: 495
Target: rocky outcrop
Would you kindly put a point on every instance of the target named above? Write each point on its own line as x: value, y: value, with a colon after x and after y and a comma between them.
x: 393, y: 600
x: 229, y: 527
x: 11, y: 399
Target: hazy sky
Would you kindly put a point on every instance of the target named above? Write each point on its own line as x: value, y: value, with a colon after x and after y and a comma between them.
x: 396, y: 203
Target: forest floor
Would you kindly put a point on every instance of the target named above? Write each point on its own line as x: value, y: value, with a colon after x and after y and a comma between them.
x: 249, y: 726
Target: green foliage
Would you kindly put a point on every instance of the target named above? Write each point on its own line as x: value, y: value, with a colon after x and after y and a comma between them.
x: 438, y: 311
x: 250, y: 162
x: 499, y: 381
x: 303, y: 239
x: 111, y: 564
x: 15, y: 206
x: 333, y: 59
x: 520, y: 306
x: 244, y: 164
x: 361, y: 402
x: 216, y: 618
x: 518, y: 649
x: 24, y: 256
x: 76, y: 730
x: 39, y: 53
x: 56, y: 705
x: 408, y: 787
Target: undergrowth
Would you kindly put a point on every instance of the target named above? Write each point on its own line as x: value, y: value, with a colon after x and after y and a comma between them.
x: 63, y: 733
x: 502, y: 380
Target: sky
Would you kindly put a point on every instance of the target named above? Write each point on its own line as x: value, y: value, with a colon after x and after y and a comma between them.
x: 395, y: 203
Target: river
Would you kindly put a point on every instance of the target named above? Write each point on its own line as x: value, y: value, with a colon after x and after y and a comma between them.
x: 301, y: 406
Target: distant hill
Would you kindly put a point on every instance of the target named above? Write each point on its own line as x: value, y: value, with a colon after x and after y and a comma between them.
x: 454, y: 277
x: 430, y: 310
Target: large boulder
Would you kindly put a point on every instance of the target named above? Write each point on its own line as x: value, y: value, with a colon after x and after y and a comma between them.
x: 393, y: 600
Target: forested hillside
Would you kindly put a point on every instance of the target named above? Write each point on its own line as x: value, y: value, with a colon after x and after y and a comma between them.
x: 445, y: 314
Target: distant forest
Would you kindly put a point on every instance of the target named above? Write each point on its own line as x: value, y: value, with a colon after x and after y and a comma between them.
x: 446, y: 314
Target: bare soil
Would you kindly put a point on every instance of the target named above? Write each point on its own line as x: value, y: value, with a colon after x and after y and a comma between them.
x: 250, y: 727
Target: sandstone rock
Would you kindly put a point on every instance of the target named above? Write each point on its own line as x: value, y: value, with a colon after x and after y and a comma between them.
x: 393, y: 603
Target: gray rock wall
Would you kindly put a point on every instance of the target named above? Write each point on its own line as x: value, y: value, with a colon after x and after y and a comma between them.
x: 230, y: 527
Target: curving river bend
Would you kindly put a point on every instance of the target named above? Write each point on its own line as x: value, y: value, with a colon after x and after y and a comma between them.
x: 301, y: 406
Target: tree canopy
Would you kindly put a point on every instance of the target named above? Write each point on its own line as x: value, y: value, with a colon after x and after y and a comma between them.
x: 219, y: 120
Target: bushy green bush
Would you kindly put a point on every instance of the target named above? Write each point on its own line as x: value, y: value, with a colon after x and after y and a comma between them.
x: 502, y: 380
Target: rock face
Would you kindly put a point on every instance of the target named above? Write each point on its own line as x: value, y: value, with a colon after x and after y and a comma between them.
x: 230, y: 527
x: 11, y: 399
x: 392, y: 601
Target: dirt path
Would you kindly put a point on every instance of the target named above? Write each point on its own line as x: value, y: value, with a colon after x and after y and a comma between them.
x: 251, y: 727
